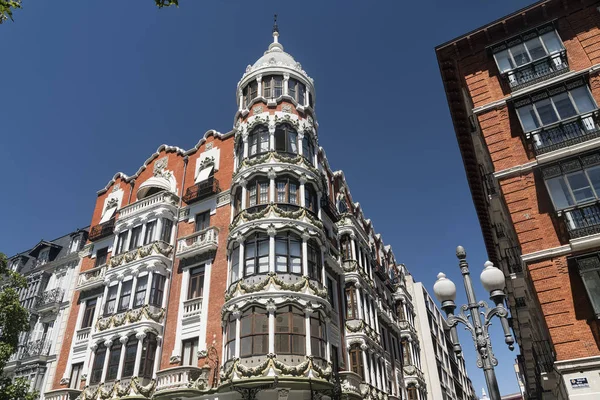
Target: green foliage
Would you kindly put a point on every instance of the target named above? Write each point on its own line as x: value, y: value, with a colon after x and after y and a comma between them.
x: 6, y: 8
x: 14, y: 319
x: 167, y: 3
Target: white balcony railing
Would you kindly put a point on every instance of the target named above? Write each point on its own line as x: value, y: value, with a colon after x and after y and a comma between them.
x: 180, y: 377
x: 149, y: 202
x: 198, y: 243
x: 62, y: 394
x: 82, y: 336
x: 192, y: 308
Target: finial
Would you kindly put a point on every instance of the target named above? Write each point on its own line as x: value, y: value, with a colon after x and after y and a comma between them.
x: 461, y: 253
x: 275, y: 29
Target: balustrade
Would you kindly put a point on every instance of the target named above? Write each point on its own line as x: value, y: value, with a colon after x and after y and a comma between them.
x: 198, y: 242
x: 192, y: 308
x: 149, y: 202
x: 181, y: 378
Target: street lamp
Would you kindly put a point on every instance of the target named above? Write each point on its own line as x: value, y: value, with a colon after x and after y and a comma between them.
x: 493, y: 281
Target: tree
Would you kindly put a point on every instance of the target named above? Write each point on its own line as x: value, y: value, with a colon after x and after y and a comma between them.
x: 14, y: 319
x: 7, y: 6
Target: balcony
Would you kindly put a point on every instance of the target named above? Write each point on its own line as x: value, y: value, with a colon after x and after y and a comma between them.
x: 198, y: 243
x: 143, y: 205
x: 92, y: 278
x: 181, y: 378
x: 566, y: 133
x: 583, y: 221
x: 201, y: 190
x: 537, y: 71
x: 192, y: 308
x: 155, y: 248
x: 62, y: 394
x: 351, y: 383
x: 82, y: 337
x: 50, y: 300
x: 102, y: 230
x: 329, y: 208
x: 36, y: 349
x: 381, y: 272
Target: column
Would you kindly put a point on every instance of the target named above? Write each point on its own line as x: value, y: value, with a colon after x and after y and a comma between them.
x: 149, y: 287
x: 115, y: 242
x: 353, y: 245
x: 143, y: 234
x: 90, y: 364
x: 185, y: 281
x: 304, y: 254
x: 375, y: 364
x: 123, y: 340
x: 302, y: 198
x: 108, y: 343
x: 135, y: 273
x: 119, y: 287
x: 286, y: 79
x: 323, y: 273
x: 237, y: 315
x: 328, y: 338
x: 272, y: 137
x: 240, y: 100
x: 357, y: 290
x: 271, y: 233
x: 157, y: 356
x: 104, y: 296
x: 240, y: 272
x: 165, y: 300
x: 244, y: 194
x: 307, y: 313
x: 158, y: 233
x: 319, y: 197
x: 245, y: 140
x: 138, y: 355
x: 374, y: 374
x: 127, y: 246
x: 259, y: 92
x: 299, y: 139
x: 365, y: 358
x: 271, y: 186
x: 271, y: 310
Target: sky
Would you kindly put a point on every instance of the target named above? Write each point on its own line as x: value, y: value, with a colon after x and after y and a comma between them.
x: 93, y: 88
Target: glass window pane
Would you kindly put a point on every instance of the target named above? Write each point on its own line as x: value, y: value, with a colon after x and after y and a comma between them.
x: 298, y: 322
x: 546, y: 111
x: 261, y: 344
x: 552, y: 42
x: 296, y: 266
x: 583, y: 99
x: 263, y: 264
x: 536, y: 50
x: 263, y: 247
x: 280, y: 140
x: 594, y: 175
x: 559, y: 192
x: 282, y: 323
x: 298, y: 344
x: 528, y: 118
x: 246, y: 325
x: 564, y: 106
x: 281, y: 263
x: 282, y: 344
x: 250, y: 252
x: 293, y: 142
x: 592, y: 285
x: 295, y: 248
x: 580, y: 186
x: 246, y: 346
x: 503, y: 60
x: 520, y: 54
x: 250, y: 266
x: 261, y: 322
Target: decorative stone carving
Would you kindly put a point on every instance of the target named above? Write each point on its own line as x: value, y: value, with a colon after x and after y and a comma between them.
x: 286, y: 108
x: 257, y: 110
x: 160, y: 165
x: 209, y: 146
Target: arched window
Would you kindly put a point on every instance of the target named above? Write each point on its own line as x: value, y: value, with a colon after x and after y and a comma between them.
x: 286, y: 140
x: 287, y: 190
x: 130, y: 355
x: 314, y: 260
x: 272, y: 86
x: 148, y: 355
x: 258, y: 141
x: 310, y: 198
x: 308, y: 148
x: 235, y: 262
x: 351, y: 303
x: 98, y: 364
x: 318, y: 336
x: 346, y: 244
x: 356, y: 361
x: 288, y: 253
x: 239, y: 152
x: 230, y: 344
x: 256, y: 255
x: 290, y: 332
x: 296, y: 91
x: 250, y: 92
x: 254, y: 332
x: 258, y: 192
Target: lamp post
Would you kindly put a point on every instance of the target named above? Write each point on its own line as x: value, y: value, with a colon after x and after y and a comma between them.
x: 493, y: 281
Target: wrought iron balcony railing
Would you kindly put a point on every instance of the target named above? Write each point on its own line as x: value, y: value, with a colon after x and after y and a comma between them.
x: 537, y: 71
x: 102, y: 230
x: 201, y: 190
x: 583, y: 221
x: 566, y: 133
x: 329, y: 208
x: 36, y: 348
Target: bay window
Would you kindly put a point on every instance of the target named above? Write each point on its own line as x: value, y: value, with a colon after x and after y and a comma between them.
x: 529, y: 50
x: 230, y: 344
x: 351, y: 303
x: 258, y: 192
x: 254, y: 332
x: 296, y: 91
x: 318, y: 336
x: 149, y: 235
x: 288, y: 253
x: 136, y: 236
x: 310, y: 198
x: 235, y: 262
x: 406, y: 356
x: 239, y: 152
x: 258, y: 141
x: 96, y: 375
x: 346, y: 243
x: 314, y: 260
x: 290, y: 331
x: 573, y: 182
x: 122, y: 239
x: 237, y: 201
x: 286, y: 140
x: 287, y: 191
x: 167, y: 228
x: 256, y: 255
x: 308, y: 149
x: 250, y: 92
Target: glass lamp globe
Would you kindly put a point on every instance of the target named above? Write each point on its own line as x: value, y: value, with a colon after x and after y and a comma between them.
x: 444, y: 289
x: 492, y: 278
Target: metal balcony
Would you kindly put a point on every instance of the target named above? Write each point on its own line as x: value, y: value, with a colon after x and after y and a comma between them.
x: 329, y: 208
x: 102, y: 230
x: 537, y: 71
x: 583, y: 221
x: 37, y: 349
x: 201, y: 190
x: 198, y: 243
x: 50, y: 300
x: 566, y: 133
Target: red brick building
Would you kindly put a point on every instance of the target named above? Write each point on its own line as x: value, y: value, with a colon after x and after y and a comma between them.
x: 240, y: 268
x: 523, y: 93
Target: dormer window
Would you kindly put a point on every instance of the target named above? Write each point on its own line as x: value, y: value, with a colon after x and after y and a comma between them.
x: 74, y: 246
x: 43, y: 257
x: 531, y: 57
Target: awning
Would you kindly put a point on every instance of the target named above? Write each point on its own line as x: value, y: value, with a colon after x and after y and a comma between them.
x: 154, y: 182
x: 108, y: 214
x: 204, y: 174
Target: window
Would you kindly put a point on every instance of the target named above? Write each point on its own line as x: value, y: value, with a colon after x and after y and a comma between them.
x: 111, y: 300
x: 290, y: 332
x: 43, y: 257
x: 412, y: 393
x: 351, y: 303
x: 258, y: 142
x: 307, y: 148
x: 239, y: 152
x: 136, y: 234
x: 130, y: 355
x: 286, y: 140
x: 140, y: 291
x: 314, y: 260
x: 113, y: 361
x: 535, y: 114
x: 75, y: 375
x: 74, y: 246
x: 88, y: 314
x: 167, y: 228
x: 406, y: 357
x: 250, y: 93
x: 101, y: 255
x: 573, y: 182
x: 202, y: 221
x: 287, y: 191
x: 237, y: 201
x: 318, y: 336
x: 230, y: 344
x: 258, y: 192
x: 272, y: 87
x: 235, y: 262
x: 156, y: 292
x: 310, y: 198
x: 256, y: 255
x: 346, y: 243
x: 331, y: 293
x: 254, y: 332
x: 356, y: 361
x: 126, y: 288
x: 98, y: 364
x: 196, y: 287
x: 190, y: 352
x: 528, y: 51
x: 150, y: 228
x: 589, y: 269
x: 148, y: 355
x: 288, y: 253
x: 296, y: 91
x: 121, y: 243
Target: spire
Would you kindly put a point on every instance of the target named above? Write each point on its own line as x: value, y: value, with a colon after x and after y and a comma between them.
x: 275, y: 30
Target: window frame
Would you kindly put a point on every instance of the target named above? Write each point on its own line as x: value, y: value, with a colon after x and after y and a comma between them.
x: 148, y: 356
x: 286, y: 130
x: 138, y: 291
x: 75, y: 375
x: 197, y: 278
x: 157, y: 290
x: 288, y: 237
x: 310, y: 199
x: 289, y: 314
x: 202, y: 218
x: 114, y: 358
x: 230, y: 332
x: 314, y: 260
x: 101, y: 257
x: 257, y: 138
x: 167, y: 230
x: 235, y: 266
x: 131, y: 343
x: 98, y: 365
x: 261, y: 186
x: 320, y: 340
x: 250, y: 315
x: 308, y: 148
x: 135, y: 238
x: 356, y: 361
x: 88, y: 314
x: 256, y: 239
x: 125, y: 297
x: 566, y: 184
x: 524, y: 44
x: 111, y: 300
x: 287, y: 183
x: 351, y: 303
x: 193, y: 352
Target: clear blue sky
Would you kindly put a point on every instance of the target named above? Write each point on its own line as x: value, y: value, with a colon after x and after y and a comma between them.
x: 92, y: 88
